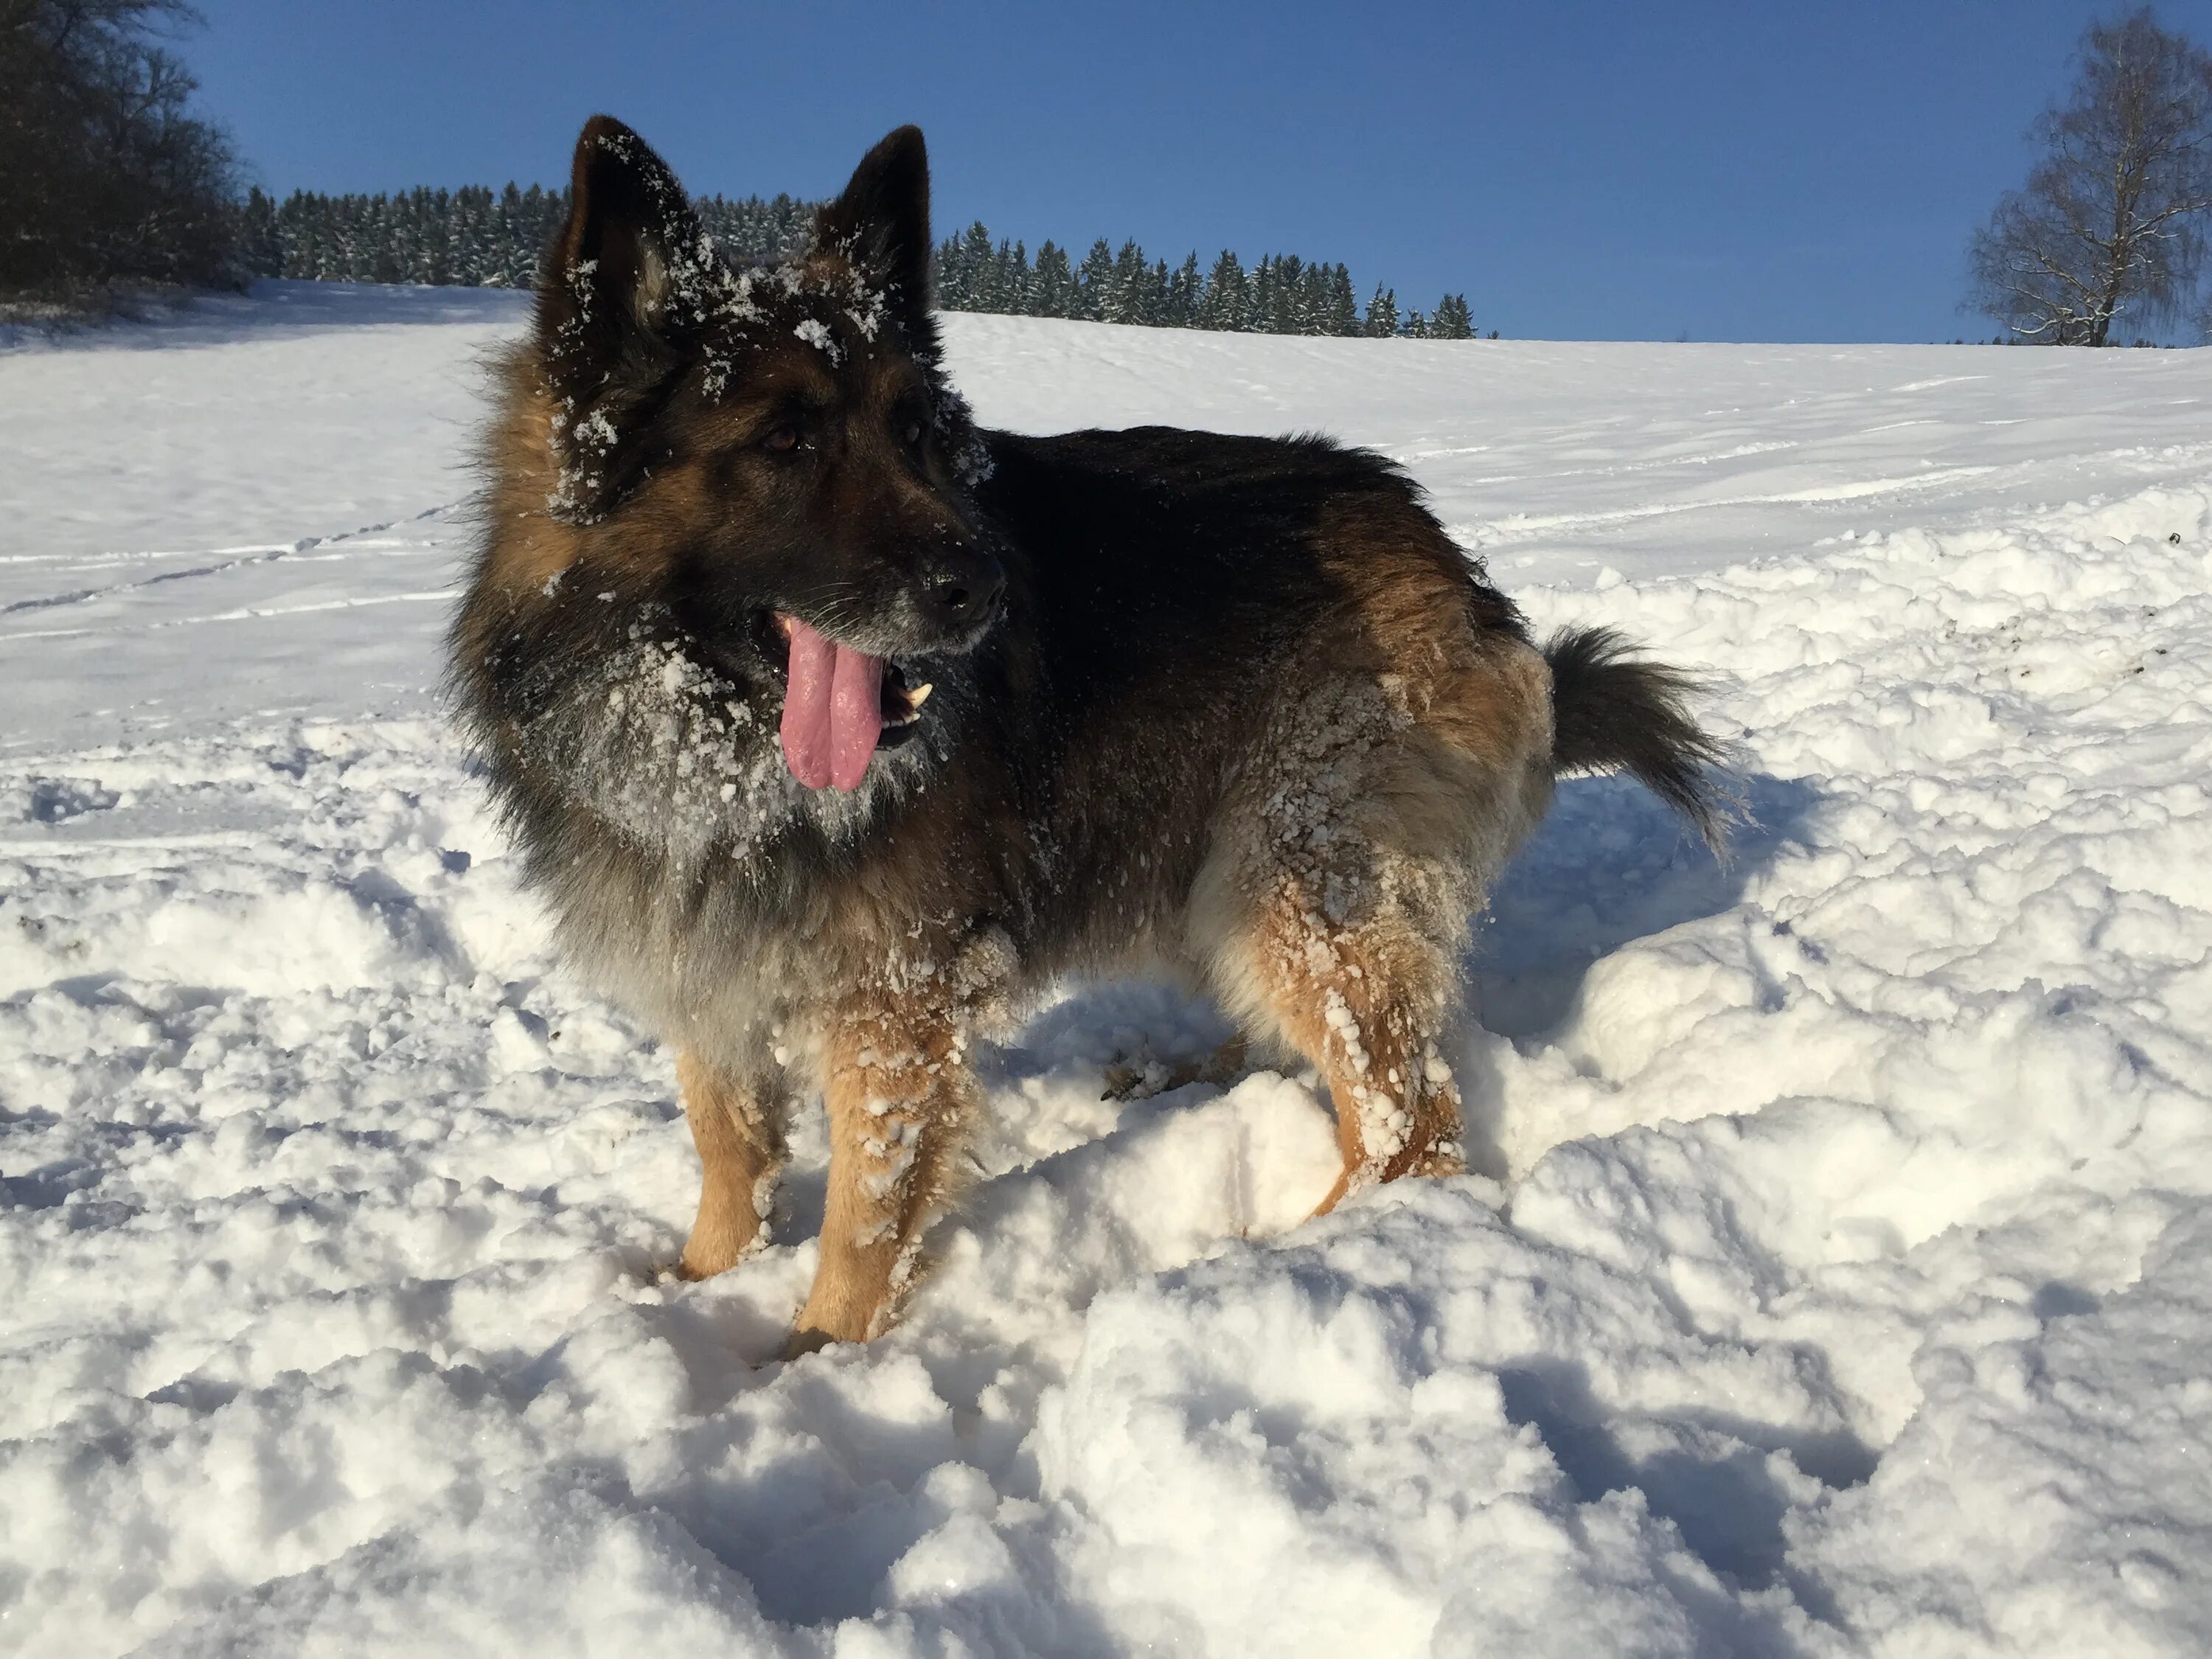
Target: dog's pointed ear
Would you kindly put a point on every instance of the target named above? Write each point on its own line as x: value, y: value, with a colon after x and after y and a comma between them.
x: 881, y: 223
x: 630, y: 225
x: 608, y: 335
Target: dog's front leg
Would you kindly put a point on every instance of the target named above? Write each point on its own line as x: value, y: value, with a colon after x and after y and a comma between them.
x: 739, y: 1130
x: 899, y: 1094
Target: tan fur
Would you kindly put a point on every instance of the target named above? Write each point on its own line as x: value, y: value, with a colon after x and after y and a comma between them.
x: 1337, y: 895
x: 899, y: 1094
x: 740, y: 1141
x: 1363, y: 1004
x: 528, y: 547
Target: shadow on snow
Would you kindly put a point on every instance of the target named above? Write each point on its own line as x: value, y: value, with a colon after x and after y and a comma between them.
x: 1611, y: 866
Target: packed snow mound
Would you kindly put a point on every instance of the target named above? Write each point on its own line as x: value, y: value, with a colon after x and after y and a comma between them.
x: 1839, y: 1282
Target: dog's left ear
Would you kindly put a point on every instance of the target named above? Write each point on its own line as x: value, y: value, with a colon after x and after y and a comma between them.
x: 881, y: 223
x: 610, y: 339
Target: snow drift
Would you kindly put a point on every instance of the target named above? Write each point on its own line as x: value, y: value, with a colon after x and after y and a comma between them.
x: 1845, y: 1287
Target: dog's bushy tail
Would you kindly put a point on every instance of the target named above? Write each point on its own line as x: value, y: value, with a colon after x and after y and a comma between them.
x: 1615, y: 710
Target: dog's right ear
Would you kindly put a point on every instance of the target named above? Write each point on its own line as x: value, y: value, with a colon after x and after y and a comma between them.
x: 607, y: 334
x: 608, y: 273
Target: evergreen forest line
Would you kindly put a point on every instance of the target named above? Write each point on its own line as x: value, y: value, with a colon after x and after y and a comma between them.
x: 481, y: 238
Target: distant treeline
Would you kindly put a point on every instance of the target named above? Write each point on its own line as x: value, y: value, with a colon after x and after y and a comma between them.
x: 1281, y: 294
x: 472, y: 237
x: 480, y: 238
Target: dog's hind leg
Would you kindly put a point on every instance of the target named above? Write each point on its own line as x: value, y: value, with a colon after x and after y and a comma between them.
x: 1365, y: 1002
x: 899, y: 1093
x: 1333, y: 908
x: 740, y: 1142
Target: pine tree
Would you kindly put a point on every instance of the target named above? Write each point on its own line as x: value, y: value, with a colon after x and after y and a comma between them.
x: 1055, y: 293
x: 1383, y: 314
x: 1340, y: 312
x: 951, y: 280
x: 1125, y: 293
x: 1280, y: 295
x: 1451, y: 320
x: 464, y: 251
x: 1275, y: 305
x: 435, y: 260
x: 349, y: 236
x: 1224, y: 306
x: 295, y: 237
x: 261, y: 248
x: 1014, y: 278
x: 1095, y: 281
x: 1310, y: 312
x: 1186, y: 291
x: 978, y: 258
x: 390, y: 240
x: 523, y: 213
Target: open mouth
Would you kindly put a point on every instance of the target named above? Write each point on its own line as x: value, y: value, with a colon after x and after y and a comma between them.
x: 901, y: 701
x: 839, y: 704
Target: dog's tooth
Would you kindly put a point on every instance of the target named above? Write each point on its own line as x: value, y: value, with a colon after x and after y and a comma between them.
x: 911, y: 698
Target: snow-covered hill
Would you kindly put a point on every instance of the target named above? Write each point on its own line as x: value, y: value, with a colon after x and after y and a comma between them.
x: 1850, y: 1292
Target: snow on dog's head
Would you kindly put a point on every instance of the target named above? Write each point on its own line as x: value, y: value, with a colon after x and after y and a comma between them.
x: 764, y: 467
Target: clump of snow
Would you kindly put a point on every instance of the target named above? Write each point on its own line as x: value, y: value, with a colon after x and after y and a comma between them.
x: 665, y: 748
x: 815, y: 333
x: 1845, y: 1291
x: 581, y: 445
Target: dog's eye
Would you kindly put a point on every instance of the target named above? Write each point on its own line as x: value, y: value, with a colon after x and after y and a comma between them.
x: 780, y: 440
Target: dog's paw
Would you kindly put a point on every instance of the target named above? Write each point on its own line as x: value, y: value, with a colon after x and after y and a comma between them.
x: 1446, y: 1158
x: 804, y: 1340
x: 1125, y: 1080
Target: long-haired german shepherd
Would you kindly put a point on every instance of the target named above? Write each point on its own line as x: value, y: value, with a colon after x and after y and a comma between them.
x: 833, y: 726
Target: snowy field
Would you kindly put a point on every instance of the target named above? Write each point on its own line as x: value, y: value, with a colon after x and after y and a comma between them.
x: 1849, y: 1291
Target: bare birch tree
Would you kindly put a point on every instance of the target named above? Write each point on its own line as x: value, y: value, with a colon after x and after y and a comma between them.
x: 2112, y: 222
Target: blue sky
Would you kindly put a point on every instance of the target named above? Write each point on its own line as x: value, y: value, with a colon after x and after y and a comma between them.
x: 1800, y: 170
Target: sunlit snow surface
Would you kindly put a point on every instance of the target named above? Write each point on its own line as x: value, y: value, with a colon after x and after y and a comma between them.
x: 1851, y: 1293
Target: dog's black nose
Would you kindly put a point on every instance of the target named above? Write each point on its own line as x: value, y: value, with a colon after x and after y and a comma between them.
x: 963, y: 588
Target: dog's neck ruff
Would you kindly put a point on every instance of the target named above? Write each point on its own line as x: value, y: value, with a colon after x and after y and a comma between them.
x: 686, y: 764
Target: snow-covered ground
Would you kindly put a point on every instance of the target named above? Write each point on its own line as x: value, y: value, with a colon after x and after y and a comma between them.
x: 1850, y: 1292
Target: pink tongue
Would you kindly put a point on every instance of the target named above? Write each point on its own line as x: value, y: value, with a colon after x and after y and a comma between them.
x: 833, y: 710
